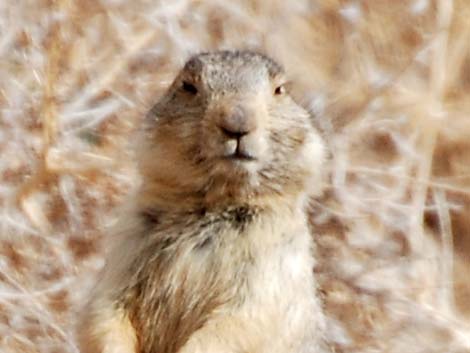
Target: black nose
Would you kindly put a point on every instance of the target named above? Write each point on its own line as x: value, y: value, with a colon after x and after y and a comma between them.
x: 237, y: 123
x: 233, y: 133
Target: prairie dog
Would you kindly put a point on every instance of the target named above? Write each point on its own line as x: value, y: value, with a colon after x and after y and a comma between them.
x: 215, y: 256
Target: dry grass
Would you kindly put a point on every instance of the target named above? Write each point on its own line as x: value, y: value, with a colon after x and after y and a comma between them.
x: 387, y: 81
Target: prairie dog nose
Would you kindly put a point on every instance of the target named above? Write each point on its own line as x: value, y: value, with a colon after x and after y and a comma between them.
x: 237, y: 122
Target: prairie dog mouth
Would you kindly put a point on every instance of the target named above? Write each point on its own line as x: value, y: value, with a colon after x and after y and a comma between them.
x: 237, y: 150
x: 240, y: 156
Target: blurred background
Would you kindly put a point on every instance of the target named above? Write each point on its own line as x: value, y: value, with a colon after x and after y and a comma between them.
x: 387, y: 83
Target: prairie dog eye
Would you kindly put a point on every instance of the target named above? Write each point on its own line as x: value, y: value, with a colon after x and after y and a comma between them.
x: 189, y: 87
x: 279, y: 90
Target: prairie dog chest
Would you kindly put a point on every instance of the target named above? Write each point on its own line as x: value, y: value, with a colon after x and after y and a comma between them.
x: 274, y: 247
x: 241, y: 268
x: 274, y: 307
x: 269, y: 259
x: 283, y: 259
x: 280, y: 291
x: 258, y: 255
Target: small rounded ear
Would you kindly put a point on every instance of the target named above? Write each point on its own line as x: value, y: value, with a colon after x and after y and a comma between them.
x: 193, y: 66
x: 274, y: 68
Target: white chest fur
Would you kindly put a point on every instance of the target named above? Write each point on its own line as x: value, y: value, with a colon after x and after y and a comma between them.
x: 278, y: 310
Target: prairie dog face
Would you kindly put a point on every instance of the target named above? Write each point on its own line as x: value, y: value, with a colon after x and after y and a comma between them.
x: 227, y: 129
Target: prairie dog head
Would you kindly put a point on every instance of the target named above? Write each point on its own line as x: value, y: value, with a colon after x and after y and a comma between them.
x: 227, y: 131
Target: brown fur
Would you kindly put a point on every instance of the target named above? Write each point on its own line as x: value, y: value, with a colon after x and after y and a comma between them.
x: 204, y: 231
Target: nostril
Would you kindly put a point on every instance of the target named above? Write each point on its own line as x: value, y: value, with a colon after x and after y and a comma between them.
x: 233, y: 133
x: 236, y: 122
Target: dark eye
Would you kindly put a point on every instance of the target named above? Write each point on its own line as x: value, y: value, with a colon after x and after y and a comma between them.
x: 189, y: 87
x: 279, y: 90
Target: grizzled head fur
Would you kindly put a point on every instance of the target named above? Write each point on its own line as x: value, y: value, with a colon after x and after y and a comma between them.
x: 228, y: 132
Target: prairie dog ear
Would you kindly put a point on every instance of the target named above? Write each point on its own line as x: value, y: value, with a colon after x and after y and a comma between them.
x: 193, y: 66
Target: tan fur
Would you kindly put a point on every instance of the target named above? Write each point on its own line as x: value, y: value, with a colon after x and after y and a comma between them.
x: 214, y: 255
x: 104, y: 330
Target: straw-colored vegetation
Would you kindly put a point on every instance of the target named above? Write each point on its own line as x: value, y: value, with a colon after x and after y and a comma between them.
x: 388, y: 82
